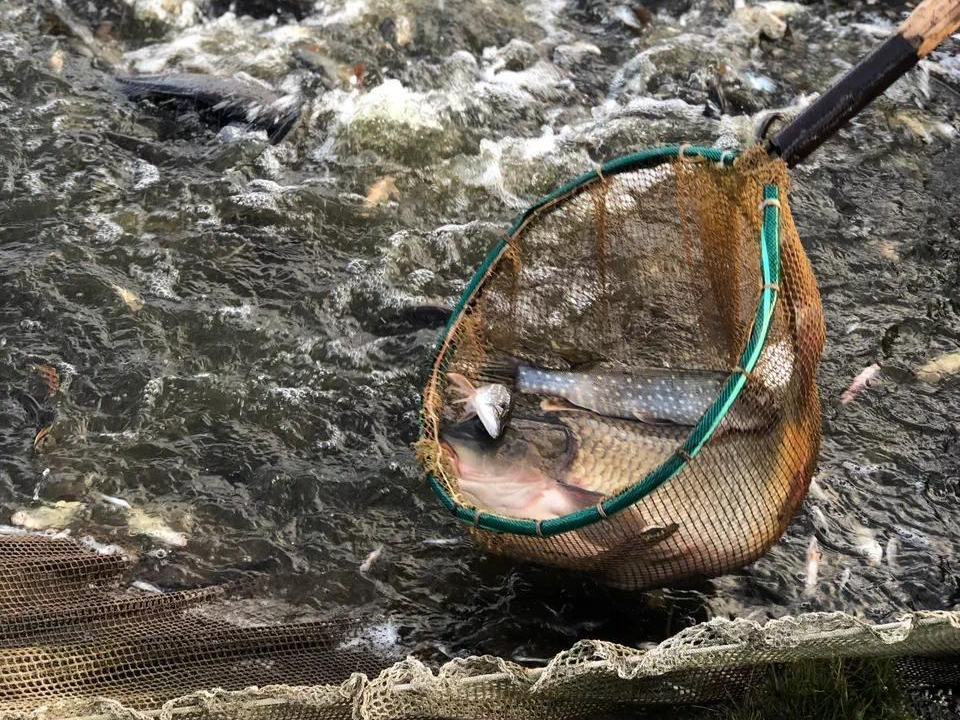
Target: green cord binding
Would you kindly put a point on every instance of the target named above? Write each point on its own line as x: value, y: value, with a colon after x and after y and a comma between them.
x: 711, y: 419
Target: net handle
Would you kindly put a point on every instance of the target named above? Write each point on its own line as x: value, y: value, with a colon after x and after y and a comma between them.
x: 932, y: 22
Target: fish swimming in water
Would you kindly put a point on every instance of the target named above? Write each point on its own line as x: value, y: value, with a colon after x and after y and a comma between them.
x: 226, y: 99
x: 490, y: 403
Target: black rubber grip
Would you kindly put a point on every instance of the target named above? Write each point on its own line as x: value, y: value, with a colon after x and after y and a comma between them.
x: 848, y: 96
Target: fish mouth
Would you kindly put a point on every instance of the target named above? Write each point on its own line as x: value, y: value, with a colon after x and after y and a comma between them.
x: 470, y: 430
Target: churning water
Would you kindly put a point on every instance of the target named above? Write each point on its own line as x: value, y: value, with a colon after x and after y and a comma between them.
x: 242, y: 329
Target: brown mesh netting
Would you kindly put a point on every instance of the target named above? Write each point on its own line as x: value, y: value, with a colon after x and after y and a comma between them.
x: 74, y: 643
x: 69, y: 628
x: 654, y: 272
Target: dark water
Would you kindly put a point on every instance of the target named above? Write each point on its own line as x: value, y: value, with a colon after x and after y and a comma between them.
x: 263, y: 400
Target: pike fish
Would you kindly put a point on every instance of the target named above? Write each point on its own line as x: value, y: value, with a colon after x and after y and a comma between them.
x: 650, y: 395
x: 653, y: 396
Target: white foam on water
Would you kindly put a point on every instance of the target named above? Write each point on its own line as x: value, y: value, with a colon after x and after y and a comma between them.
x: 234, y: 133
x: 106, y: 231
x: 159, y: 281
x: 238, y: 312
x: 383, y: 637
x: 293, y: 395
x: 145, y: 175
x: 100, y: 548
x: 342, y: 13
x: 390, y: 103
x: 177, y: 14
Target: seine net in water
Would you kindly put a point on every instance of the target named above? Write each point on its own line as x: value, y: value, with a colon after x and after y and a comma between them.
x: 669, y: 286
x: 75, y: 644
x: 68, y: 630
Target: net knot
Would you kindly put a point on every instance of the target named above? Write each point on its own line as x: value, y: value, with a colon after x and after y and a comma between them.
x: 726, y: 155
x: 771, y: 286
x: 600, y: 511
x: 682, y: 452
x: 769, y: 202
x: 539, y: 528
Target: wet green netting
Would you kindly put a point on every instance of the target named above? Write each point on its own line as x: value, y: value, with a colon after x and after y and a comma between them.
x: 680, y: 260
x: 76, y: 641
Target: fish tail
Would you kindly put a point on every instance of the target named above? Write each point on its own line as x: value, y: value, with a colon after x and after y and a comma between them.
x: 501, y: 369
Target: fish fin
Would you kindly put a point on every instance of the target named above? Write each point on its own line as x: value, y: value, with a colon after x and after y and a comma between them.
x: 591, y: 495
x: 653, y: 420
x: 461, y: 384
x: 499, y: 369
x: 559, y: 405
x: 491, y: 423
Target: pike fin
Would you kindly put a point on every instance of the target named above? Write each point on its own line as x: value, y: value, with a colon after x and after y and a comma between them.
x: 500, y: 369
x: 556, y: 405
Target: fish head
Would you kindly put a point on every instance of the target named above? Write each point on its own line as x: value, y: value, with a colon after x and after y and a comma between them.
x: 474, y: 453
x: 519, y: 474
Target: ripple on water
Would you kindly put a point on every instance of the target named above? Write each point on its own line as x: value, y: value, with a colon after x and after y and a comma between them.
x: 257, y: 412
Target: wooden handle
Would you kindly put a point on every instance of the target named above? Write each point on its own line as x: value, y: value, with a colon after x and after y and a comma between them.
x: 932, y: 22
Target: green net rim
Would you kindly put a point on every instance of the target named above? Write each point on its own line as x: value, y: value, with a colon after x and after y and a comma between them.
x: 703, y: 431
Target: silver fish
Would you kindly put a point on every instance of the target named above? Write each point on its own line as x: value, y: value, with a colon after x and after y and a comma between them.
x: 490, y: 402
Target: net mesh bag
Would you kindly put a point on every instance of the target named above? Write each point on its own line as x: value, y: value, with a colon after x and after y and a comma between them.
x: 76, y: 642
x: 676, y: 263
x: 70, y: 629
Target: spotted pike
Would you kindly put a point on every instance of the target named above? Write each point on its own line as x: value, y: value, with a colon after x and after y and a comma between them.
x: 652, y: 396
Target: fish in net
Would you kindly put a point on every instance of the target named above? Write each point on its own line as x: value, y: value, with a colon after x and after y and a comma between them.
x: 652, y: 330
x: 658, y: 327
